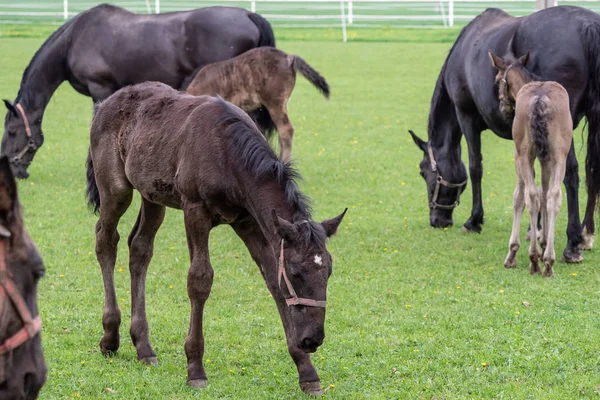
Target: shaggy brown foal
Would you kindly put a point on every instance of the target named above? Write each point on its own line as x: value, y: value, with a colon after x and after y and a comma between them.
x: 542, y: 129
x: 259, y: 78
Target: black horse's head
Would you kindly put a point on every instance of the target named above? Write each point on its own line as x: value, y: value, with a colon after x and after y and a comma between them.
x: 22, y: 137
x: 446, y: 179
x: 22, y: 366
x: 508, y: 84
x: 304, y: 269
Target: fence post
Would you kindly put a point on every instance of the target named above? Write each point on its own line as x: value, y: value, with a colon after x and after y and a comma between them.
x: 253, y: 6
x: 66, y: 9
x: 350, y: 13
x: 157, y: 6
x: 344, y: 37
x: 451, y: 13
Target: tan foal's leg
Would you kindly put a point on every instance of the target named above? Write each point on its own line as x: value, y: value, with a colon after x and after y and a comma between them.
x: 518, y: 206
x: 285, y: 130
x: 546, y: 173
x: 554, y: 202
x: 532, y: 199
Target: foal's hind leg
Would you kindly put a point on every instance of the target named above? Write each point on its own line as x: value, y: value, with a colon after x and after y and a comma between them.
x: 546, y: 171
x: 285, y: 130
x: 113, y: 206
x: 141, y: 247
x: 532, y: 199
x: 554, y: 202
x: 518, y: 206
x: 200, y: 277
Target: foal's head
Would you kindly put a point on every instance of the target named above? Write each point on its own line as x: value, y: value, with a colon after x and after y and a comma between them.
x: 510, y: 79
x: 22, y: 367
x: 304, y: 269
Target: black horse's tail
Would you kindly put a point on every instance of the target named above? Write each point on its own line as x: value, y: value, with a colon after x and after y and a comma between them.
x: 539, y: 128
x: 311, y: 74
x: 92, y: 193
x: 591, y: 43
x: 266, y: 36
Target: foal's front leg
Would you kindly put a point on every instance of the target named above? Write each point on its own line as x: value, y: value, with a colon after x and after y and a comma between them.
x: 254, y: 239
x: 200, y: 278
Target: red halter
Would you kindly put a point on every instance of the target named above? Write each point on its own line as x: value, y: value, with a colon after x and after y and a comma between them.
x: 294, y: 300
x: 8, y: 291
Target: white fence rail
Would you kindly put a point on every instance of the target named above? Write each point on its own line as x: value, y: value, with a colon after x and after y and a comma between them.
x: 295, y: 13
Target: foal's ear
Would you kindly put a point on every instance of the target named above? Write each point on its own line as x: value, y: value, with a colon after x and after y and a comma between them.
x: 285, y: 229
x: 524, y: 59
x: 331, y: 225
x: 10, y: 107
x: 8, y: 190
x: 497, y: 62
x: 418, y: 141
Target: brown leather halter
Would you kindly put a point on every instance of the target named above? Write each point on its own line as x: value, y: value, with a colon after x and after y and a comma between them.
x: 439, y: 181
x: 294, y: 300
x: 30, y: 143
x: 509, y: 104
x: 9, y: 292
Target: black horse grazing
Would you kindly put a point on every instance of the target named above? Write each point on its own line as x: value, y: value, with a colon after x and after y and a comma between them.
x: 106, y: 48
x: 206, y: 157
x: 22, y: 366
x: 565, y: 47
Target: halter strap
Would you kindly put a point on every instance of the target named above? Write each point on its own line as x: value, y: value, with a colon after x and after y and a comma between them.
x: 294, y: 300
x: 440, y: 181
x: 8, y: 289
x: 22, y: 111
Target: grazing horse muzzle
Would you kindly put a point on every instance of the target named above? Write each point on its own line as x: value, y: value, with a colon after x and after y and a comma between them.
x: 440, y: 219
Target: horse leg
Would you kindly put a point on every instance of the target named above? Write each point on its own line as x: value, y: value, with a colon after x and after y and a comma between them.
x: 554, y: 202
x: 572, y: 254
x: 200, y: 278
x: 285, y: 129
x: 518, y: 205
x: 546, y: 173
x: 468, y: 126
x: 588, y: 224
x: 112, y: 208
x: 141, y: 247
x: 263, y: 255
x: 532, y: 199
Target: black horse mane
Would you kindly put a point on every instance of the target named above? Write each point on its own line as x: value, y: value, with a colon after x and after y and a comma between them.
x: 47, y: 42
x: 249, y: 146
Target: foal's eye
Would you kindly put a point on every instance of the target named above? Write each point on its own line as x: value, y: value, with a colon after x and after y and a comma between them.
x: 39, y: 273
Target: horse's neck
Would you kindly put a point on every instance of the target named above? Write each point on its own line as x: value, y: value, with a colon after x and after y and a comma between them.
x: 43, y: 76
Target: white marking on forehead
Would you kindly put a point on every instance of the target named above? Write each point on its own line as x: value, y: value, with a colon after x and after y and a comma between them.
x: 318, y: 260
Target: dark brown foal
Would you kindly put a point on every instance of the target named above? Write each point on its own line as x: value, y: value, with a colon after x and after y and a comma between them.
x: 261, y: 77
x: 206, y: 157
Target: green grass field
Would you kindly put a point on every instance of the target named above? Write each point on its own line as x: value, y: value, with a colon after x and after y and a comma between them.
x: 413, y: 312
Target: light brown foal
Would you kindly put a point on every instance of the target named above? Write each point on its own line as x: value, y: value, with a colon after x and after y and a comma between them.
x: 543, y: 129
x: 260, y: 78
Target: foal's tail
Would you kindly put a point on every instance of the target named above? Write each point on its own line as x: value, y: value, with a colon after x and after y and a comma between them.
x: 91, y: 192
x: 311, y: 74
x: 539, y: 127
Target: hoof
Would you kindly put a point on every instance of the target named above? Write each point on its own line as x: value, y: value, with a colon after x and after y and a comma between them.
x: 198, y: 383
x: 588, y: 240
x: 548, y: 274
x: 149, y: 361
x: 109, y: 346
x: 510, y: 264
x: 471, y: 229
x: 312, y: 388
x: 571, y: 256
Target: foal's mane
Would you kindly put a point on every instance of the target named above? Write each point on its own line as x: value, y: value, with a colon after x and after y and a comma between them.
x: 251, y: 148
